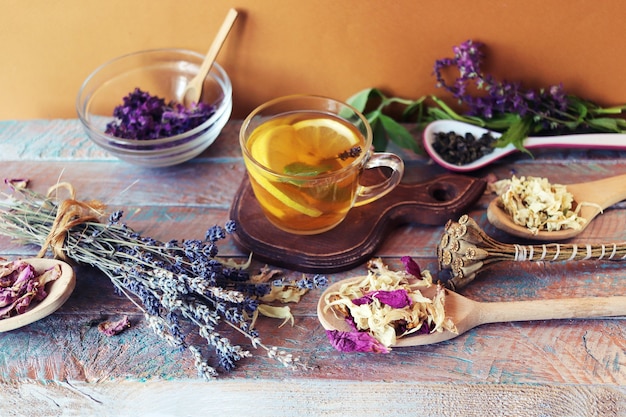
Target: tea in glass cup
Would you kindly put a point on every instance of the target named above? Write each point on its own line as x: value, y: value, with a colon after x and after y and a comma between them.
x: 305, y: 155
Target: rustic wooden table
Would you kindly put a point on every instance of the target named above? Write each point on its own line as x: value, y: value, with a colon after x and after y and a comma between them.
x: 62, y: 365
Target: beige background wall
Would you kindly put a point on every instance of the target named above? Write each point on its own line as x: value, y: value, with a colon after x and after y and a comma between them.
x: 331, y: 47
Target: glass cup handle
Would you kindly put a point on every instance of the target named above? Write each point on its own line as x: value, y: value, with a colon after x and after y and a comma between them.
x: 368, y: 193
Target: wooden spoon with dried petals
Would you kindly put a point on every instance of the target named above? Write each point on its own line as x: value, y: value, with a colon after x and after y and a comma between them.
x: 595, y: 196
x: 467, y: 314
x: 58, y: 291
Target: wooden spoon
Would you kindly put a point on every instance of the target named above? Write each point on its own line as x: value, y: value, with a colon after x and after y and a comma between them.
x: 193, y: 90
x: 58, y: 290
x: 467, y: 314
x: 601, y: 194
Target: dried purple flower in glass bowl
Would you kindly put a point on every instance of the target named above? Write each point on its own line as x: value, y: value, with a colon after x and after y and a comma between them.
x: 130, y: 106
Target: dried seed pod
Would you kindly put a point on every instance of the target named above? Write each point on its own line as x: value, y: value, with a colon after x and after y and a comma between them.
x: 465, y: 250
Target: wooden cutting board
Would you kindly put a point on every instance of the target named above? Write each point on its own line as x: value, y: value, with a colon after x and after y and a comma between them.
x: 354, y: 240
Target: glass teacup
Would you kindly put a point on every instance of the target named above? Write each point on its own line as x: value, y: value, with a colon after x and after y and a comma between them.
x: 305, y: 156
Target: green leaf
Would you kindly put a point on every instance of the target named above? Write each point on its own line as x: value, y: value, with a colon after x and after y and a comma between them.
x: 451, y: 114
x: 305, y: 170
x: 359, y: 100
x: 416, y: 106
x: 502, y: 121
x: 605, y: 124
x: 579, y: 106
x: 578, y: 109
x: 516, y: 134
x: 399, y: 134
x: 379, y: 134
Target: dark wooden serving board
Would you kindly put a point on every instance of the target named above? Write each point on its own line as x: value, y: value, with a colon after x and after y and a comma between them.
x: 354, y: 240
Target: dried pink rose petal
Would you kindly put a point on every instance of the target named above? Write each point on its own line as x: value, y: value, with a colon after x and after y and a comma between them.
x: 411, y: 266
x: 111, y: 328
x: 395, y: 299
x: 17, y: 183
x: 7, y: 298
x: 51, y: 274
x: 355, y: 341
x: 22, y: 304
x: 20, y: 285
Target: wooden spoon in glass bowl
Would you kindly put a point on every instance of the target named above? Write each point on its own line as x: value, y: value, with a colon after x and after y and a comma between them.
x: 193, y: 90
x: 467, y: 314
x: 58, y: 291
x: 595, y: 197
x: 583, y: 141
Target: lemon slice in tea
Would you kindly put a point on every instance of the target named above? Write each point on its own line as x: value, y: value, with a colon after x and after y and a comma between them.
x: 273, y: 148
x: 325, y: 138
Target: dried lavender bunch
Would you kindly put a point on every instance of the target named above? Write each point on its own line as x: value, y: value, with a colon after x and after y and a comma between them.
x: 170, y: 282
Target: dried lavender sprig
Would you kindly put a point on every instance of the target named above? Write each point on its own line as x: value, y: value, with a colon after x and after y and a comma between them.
x: 548, y: 106
x: 516, y: 110
x: 166, y: 280
x: 499, y: 105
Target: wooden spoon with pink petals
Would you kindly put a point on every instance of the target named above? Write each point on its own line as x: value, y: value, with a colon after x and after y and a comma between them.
x: 467, y: 314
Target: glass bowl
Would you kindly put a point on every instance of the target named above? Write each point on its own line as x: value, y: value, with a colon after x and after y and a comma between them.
x: 163, y: 73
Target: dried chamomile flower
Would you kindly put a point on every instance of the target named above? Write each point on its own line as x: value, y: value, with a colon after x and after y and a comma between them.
x: 537, y: 204
x: 276, y: 312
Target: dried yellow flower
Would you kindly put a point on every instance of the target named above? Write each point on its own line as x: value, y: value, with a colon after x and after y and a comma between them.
x: 537, y: 204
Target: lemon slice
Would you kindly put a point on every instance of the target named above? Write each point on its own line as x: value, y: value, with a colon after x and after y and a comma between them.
x: 282, y: 197
x: 324, y: 137
x: 271, y: 147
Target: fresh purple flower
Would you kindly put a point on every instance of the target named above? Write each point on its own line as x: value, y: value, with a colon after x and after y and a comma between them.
x: 500, y: 97
x: 355, y: 341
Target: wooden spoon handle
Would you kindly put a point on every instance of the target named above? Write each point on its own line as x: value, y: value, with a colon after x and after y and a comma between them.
x: 565, y: 308
x: 193, y: 89
x: 604, y: 192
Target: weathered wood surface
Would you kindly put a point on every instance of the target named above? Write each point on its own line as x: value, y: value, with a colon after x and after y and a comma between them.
x: 62, y: 366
